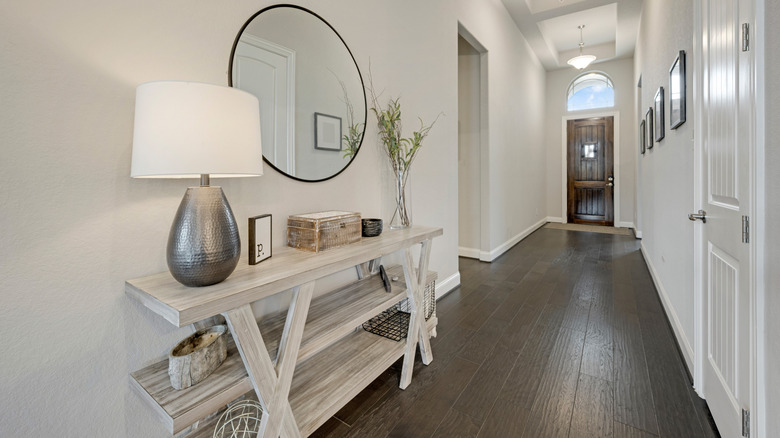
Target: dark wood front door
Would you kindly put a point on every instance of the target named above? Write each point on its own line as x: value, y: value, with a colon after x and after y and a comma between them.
x: 590, y: 177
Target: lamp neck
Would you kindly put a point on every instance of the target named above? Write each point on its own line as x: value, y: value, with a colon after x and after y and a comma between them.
x: 205, y: 180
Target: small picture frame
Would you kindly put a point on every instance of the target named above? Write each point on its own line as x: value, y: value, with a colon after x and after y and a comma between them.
x: 260, y: 243
x: 642, y: 137
x: 649, y: 122
x: 677, y: 92
x: 659, y: 114
x: 327, y: 132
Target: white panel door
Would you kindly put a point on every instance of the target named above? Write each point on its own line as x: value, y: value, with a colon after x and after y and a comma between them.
x: 267, y: 70
x: 727, y: 93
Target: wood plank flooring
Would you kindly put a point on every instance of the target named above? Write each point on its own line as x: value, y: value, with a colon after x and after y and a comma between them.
x: 562, y: 336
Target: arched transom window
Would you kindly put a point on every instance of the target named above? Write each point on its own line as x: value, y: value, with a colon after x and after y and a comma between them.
x: 590, y: 90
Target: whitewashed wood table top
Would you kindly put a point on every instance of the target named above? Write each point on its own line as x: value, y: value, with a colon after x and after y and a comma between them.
x: 182, y: 305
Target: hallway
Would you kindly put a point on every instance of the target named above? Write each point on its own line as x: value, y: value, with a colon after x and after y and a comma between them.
x: 563, y: 335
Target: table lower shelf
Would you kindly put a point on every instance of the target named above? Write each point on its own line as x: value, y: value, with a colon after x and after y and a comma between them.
x: 331, y: 317
x: 324, y: 384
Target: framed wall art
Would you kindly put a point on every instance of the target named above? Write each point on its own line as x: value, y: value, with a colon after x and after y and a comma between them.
x: 327, y: 132
x: 642, y: 137
x: 659, y: 114
x: 677, y: 92
x: 260, y: 243
x: 649, y: 126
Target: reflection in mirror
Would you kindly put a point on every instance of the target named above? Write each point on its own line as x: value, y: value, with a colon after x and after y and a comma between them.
x: 312, y: 100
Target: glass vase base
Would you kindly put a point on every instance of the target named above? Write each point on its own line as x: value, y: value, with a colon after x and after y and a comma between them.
x: 399, y: 226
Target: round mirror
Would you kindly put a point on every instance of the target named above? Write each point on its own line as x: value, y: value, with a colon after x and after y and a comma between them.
x: 312, y: 99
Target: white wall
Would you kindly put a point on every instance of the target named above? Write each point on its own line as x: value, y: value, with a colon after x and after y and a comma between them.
x: 516, y: 101
x: 469, y: 160
x: 666, y: 170
x: 621, y: 72
x: 74, y: 225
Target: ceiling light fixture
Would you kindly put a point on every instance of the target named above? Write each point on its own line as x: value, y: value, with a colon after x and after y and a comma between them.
x: 582, y: 61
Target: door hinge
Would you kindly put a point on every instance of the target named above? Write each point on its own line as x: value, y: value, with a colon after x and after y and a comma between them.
x: 745, y: 229
x: 746, y: 423
x: 745, y: 37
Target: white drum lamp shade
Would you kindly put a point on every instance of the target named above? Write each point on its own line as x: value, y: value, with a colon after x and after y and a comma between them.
x: 194, y: 130
x: 188, y: 129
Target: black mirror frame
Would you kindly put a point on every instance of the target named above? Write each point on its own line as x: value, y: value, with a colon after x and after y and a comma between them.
x: 360, y: 75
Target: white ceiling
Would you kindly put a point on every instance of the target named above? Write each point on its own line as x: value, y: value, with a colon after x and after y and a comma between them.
x: 550, y: 27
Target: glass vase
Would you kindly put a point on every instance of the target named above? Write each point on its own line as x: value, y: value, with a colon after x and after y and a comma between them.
x: 402, y: 211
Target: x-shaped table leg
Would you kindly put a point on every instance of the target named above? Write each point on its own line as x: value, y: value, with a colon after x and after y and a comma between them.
x: 272, y: 385
x: 418, y: 329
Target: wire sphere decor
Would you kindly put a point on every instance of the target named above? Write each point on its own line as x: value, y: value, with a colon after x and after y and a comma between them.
x: 241, y: 420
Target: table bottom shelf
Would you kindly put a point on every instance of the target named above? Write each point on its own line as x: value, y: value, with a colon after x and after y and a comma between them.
x: 325, y: 383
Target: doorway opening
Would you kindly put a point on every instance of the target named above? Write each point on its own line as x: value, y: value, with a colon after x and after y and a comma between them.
x: 590, y: 177
x: 473, y: 237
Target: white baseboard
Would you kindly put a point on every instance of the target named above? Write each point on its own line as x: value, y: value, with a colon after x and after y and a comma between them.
x: 682, y: 340
x: 637, y: 233
x: 471, y: 253
x: 558, y: 220
x: 494, y: 254
x: 447, y: 285
x: 625, y: 224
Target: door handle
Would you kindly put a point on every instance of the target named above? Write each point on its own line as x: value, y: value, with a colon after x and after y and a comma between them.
x: 609, y: 184
x: 701, y: 215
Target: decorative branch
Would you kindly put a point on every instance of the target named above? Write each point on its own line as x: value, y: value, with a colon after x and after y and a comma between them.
x: 399, y: 150
x: 351, y: 139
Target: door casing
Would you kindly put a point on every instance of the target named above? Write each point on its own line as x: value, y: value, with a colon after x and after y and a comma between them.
x: 259, y: 51
x: 616, y: 162
x: 484, y: 145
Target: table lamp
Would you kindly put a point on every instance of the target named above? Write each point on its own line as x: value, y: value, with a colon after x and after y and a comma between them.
x: 195, y: 130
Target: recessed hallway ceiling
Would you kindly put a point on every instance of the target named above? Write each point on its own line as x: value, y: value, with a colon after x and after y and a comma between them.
x: 550, y: 26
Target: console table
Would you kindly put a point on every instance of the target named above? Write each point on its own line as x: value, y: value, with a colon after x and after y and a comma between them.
x: 307, y: 363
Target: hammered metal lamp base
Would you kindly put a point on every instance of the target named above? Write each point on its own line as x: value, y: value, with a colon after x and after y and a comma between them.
x: 204, y: 245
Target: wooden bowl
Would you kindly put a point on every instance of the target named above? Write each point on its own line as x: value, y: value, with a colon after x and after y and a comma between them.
x: 196, y: 357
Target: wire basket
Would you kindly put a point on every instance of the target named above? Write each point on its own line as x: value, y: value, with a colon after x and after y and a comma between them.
x: 242, y: 419
x: 393, y: 323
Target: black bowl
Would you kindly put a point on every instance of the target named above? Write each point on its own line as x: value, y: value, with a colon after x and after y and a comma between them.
x: 372, y: 227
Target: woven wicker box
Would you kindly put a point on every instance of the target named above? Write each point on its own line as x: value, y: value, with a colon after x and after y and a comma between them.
x: 324, y: 230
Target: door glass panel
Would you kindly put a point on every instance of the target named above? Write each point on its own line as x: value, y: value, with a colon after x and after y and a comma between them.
x: 589, y: 152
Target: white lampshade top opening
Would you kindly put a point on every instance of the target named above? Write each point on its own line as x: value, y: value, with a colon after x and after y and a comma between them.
x: 186, y: 129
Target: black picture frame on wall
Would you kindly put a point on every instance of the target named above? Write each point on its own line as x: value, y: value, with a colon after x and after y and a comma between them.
x: 649, y: 123
x: 659, y: 114
x: 677, y: 89
x: 642, y: 137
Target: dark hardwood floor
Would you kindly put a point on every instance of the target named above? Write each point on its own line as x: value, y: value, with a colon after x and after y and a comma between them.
x: 562, y: 336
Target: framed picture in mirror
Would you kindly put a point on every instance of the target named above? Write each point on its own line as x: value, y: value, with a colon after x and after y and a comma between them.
x: 677, y: 92
x: 327, y: 132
